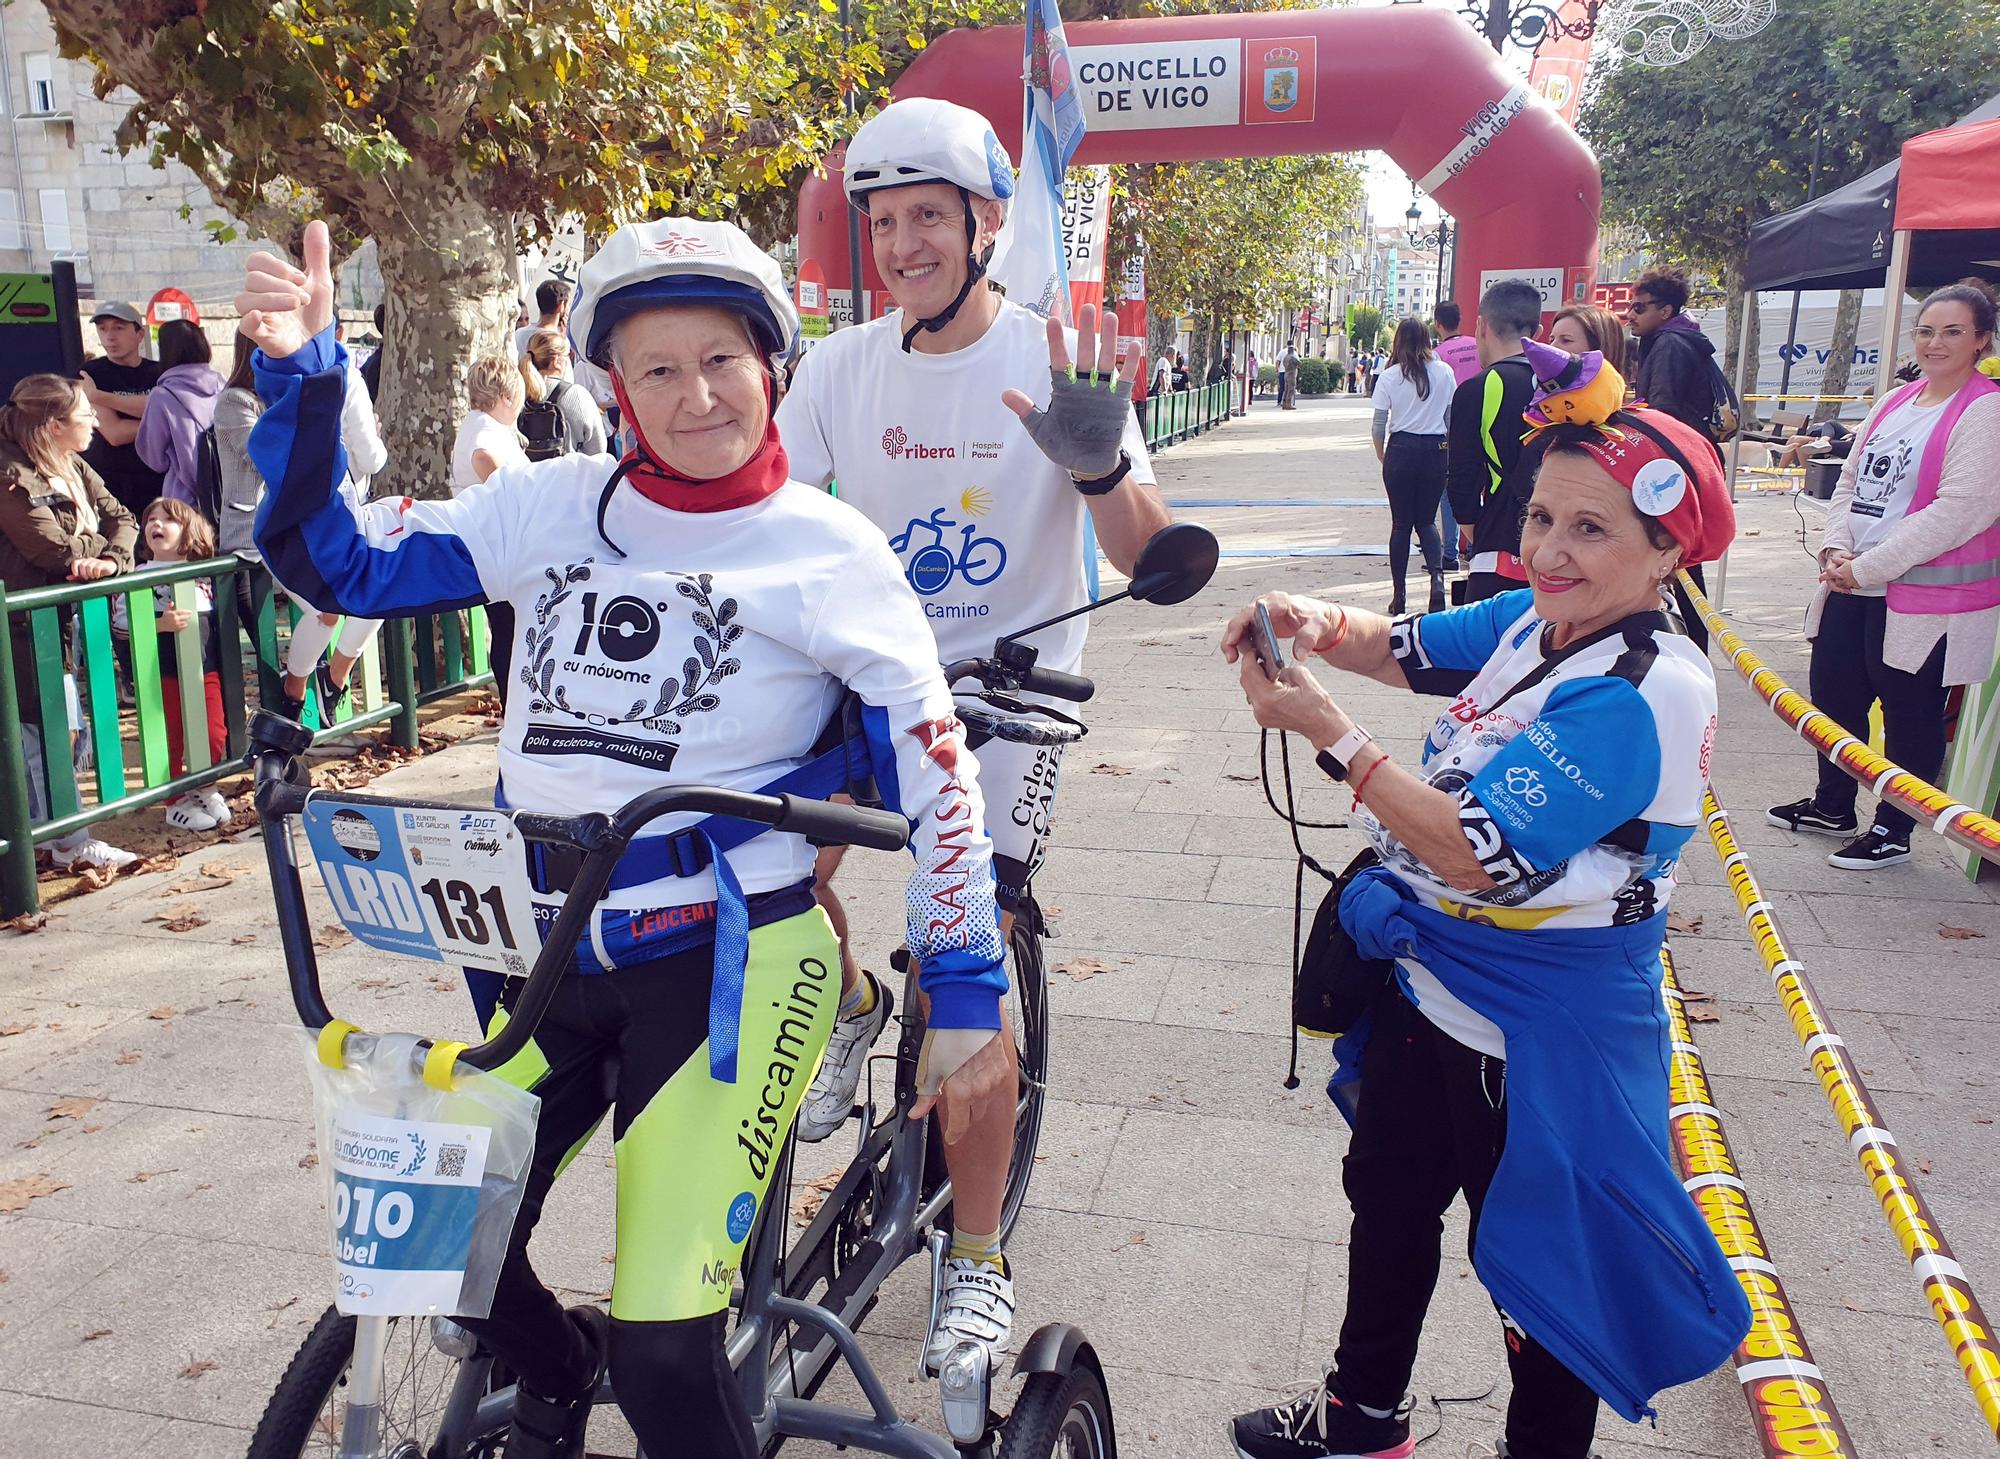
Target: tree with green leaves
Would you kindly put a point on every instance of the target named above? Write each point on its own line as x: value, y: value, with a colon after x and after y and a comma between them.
x: 1364, y: 325
x: 450, y: 131
x: 1694, y: 155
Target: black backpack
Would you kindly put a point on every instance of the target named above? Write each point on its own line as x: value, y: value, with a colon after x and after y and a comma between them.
x: 1726, y: 415
x: 544, y: 426
x: 208, y: 475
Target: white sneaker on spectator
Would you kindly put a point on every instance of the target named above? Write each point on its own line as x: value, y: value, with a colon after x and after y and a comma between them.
x: 80, y: 848
x: 215, y: 805
x: 187, y: 813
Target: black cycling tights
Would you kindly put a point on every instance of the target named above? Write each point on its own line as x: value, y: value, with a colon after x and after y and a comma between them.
x: 673, y: 1378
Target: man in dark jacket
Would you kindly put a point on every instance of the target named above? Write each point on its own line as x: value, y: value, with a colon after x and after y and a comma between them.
x: 371, y: 368
x: 1676, y: 373
x: 1677, y: 377
x: 1487, y: 474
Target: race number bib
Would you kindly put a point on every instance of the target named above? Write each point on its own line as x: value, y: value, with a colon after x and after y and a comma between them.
x: 405, y: 1198
x: 446, y: 885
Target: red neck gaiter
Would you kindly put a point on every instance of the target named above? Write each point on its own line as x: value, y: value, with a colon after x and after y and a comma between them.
x: 765, y: 471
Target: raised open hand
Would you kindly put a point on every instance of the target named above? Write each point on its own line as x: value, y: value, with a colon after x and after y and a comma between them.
x: 1088, y: 402
x: 283, y: 307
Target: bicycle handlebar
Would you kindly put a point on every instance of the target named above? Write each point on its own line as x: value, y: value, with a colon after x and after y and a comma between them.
x: 1057, y: 685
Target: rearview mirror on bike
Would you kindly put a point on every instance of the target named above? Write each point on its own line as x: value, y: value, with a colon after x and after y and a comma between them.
x: 1175, y: 564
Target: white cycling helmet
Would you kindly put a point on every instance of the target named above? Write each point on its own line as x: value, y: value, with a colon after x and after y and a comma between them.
x: 927, y: 140
x: 681, y: 261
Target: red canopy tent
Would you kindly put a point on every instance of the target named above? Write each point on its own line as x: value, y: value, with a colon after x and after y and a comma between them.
x: 1947, y: 184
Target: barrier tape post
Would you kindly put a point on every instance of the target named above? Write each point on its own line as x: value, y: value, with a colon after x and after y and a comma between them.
x: 1945, y: 1285
x: 1787, y: 1393
x: 1930, y: 806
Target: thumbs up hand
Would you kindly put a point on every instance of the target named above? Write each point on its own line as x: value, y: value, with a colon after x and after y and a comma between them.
x: 284, y: 307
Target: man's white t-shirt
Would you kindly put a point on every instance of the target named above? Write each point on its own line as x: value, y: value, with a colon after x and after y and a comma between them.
x: 990, y: 532
x: 481, y: 432
x: 1422, y: 416
x: 1885, y: 481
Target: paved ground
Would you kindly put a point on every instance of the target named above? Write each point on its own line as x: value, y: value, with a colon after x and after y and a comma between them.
x: 1186, y: 1209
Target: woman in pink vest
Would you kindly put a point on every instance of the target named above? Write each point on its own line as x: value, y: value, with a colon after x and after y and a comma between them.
x: 1909, y: 599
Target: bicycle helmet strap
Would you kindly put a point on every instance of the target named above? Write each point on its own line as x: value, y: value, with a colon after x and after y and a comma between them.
x: 975, y: 271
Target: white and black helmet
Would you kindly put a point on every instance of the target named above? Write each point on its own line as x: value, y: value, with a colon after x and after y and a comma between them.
x: 681, y: 261
x: 923, y: 139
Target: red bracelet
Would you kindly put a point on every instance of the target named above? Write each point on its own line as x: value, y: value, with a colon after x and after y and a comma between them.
x: 1382, y: 760
x: 1338, y: 638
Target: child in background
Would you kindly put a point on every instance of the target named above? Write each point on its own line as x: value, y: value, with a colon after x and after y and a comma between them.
x: 176, y: 532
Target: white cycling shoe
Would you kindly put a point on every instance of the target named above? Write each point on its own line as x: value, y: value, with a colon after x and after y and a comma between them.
x: 831, y: 1099
x: 976, y: 1306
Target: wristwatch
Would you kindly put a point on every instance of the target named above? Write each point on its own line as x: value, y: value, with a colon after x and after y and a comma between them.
x: 1337, y: 757
x: 1098, y: 486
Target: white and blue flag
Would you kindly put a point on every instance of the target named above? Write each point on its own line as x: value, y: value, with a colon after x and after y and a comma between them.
x: 1028, y: 258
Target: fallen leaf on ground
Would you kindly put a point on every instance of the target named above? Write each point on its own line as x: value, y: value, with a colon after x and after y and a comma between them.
x: 197, y: 1366
x: 333, y: 936
x: 1688, y: 922
x: 164, y: 861
x: 443, y: 985
x: 130, y: 1056
x: 1104, y: 769
x: 73, y: 1108
x: 372, y: 983
x: 1695, y: 995
x: 27, y: 922
x: 1082, y: 969
x: 246, y: 937
x: 1850, y: 1304
x: 1924, y: 1166
x: 15, y: 1194
x: 812, y: 1195
x: 8, y: 1030
x: 162, y: 1013
x: 1137, y: 1238
x: 181, y: 917
x: 1704, y: 1015
x: 145, y: 1175
x: 95, y: 878
x: 203, y: 883
x: 1958, y: 934
x: 94, y: 1336
x: 1237, y: 775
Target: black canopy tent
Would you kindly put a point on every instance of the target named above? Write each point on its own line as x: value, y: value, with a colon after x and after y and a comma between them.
x: 1843, y: 240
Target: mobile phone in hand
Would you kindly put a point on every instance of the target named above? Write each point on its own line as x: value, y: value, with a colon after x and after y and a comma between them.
x: 1265, y: 639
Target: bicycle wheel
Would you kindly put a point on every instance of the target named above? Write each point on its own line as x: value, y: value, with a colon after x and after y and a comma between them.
x: 304, y: 1415
x: 1028, y: 1012
x: 1061, y: 1416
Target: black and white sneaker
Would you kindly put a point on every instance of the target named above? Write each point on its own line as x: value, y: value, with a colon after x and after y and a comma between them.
x: 1873, y: 848
x: 1322, y: 1423
x: 1805, y: 815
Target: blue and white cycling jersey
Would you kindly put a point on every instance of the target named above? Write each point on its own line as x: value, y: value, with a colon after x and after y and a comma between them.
x: 1579, y: 790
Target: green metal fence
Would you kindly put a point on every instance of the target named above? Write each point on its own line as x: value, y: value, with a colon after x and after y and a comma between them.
x: 1181, y: 414
x: 67, y: 633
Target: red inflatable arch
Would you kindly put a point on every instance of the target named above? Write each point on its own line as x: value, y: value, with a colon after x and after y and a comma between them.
x: 1411, y: 81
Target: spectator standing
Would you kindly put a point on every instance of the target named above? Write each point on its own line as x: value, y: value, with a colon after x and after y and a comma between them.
x: 371, y: 368
x: 1909, y: 595
x: 122, y: 371
x: 175, y: 532
x: 552, y: 298
x: 1182, y: 378
x: 59, y: 523
x: 1582, y: 328
x: 488, y: 441
x: 1250, y: 375
x: 180, y: 407
x: 1224, y: 368
x: 546, y: 383
x: 236, y: 411
x: 1460, y: 352
x: 1412, y: 401
x: 1288, y: 378
x: 1677, y: 376
x: 1488, y: 473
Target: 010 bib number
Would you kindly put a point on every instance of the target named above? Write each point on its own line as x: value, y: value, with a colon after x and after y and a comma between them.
x: 431, y: 882
x: 404, y: 1201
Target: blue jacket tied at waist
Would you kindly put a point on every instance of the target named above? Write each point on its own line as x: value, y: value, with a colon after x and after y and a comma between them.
x: 1588, y: 1238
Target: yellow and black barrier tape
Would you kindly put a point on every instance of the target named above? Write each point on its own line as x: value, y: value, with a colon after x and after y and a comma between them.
x: 1945, y: 1285
x: 1787, y: 1393
x: 1956, y: 822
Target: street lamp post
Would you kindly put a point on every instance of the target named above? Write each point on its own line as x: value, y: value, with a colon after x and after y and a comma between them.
x: 1420, y: 237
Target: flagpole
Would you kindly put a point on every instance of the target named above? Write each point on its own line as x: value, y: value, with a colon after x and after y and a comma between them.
x: 858, y: 294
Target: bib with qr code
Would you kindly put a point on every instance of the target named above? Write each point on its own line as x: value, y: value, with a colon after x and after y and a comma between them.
x: 405, y: 1199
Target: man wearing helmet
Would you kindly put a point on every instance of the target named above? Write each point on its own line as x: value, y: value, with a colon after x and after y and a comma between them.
x: 687, y: 614
x: 958, y: 425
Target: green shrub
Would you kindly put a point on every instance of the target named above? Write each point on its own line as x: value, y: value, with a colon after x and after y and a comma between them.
x: 1314, y: 377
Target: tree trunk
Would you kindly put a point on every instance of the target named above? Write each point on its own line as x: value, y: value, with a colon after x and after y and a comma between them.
x: 1840, y: 359
x: 1159, y: 336
x: 448, y: 297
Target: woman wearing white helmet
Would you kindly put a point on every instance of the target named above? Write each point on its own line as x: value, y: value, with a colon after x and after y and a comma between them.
x: 957, y: 424
x: 687, y: 614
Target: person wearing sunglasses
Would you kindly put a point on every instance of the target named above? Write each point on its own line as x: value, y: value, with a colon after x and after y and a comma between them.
x: 1909, y: 583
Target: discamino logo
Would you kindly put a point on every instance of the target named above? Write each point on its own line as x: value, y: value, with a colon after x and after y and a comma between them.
x: 742, y: 1211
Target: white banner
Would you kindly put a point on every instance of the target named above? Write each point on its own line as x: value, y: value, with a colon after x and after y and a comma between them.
x: 1165, y: 85
x: 1086, y: 226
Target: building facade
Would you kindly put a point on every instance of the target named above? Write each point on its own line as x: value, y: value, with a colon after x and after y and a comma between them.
x: 66, y: 192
